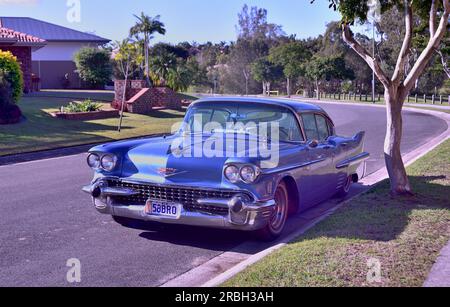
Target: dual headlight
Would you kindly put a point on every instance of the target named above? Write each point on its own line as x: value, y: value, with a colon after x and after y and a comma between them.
x: 106, y: 162
x: 245, y: 173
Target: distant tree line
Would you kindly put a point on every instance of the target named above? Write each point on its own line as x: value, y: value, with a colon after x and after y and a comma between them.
x: 264, y: 58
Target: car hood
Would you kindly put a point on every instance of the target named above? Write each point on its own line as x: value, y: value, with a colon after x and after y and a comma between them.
x: 158, y: 161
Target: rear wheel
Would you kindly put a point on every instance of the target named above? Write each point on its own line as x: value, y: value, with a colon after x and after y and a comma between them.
x: 279, y: 216
x: 343, y: 192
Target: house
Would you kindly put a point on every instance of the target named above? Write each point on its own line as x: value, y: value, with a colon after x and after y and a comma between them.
x: 45, y: 50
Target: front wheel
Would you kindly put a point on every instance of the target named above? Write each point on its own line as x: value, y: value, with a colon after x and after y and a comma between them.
x: 279, y: 216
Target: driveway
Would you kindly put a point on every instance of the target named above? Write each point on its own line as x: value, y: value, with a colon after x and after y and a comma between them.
x: 47, y: 220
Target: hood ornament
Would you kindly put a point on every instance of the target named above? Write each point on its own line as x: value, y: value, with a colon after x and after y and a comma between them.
x: 168, y: 172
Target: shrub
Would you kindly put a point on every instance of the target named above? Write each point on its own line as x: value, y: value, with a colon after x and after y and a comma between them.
x: 85, y: 106
x: 5, y: 91
x: 12, y: 73
x: 94, y: 66
x: 9, y: 112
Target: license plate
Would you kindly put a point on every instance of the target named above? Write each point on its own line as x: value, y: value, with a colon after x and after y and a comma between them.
x: 162, y: 208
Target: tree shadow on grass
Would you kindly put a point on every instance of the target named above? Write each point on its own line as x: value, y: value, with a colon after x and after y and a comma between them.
x: 165, y: 114
x: 377, y: 216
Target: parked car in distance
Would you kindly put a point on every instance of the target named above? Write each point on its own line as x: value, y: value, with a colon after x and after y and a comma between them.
x: 161, y: 179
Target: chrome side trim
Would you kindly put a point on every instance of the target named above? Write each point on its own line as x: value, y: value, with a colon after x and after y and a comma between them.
x: 292, y: 167
x: 225, y: 203
x: 353, y: 160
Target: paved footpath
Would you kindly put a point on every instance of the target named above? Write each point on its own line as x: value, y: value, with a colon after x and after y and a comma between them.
x: 440, y: 273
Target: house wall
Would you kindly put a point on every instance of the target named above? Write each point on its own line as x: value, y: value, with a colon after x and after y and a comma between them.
x: 59, y: 51
x: 23, y: 55
x: 51, y: 74
x: 52, y: 62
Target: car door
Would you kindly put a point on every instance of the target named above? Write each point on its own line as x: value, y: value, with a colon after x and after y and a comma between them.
x: 320, y: 154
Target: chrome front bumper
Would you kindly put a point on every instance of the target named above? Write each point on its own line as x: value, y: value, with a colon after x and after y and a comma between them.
x: 242, y: 214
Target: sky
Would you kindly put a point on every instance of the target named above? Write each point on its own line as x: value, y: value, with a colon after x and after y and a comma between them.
x: 185, y: 20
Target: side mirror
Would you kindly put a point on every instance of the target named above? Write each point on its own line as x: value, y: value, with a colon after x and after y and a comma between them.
x: 313, y: 143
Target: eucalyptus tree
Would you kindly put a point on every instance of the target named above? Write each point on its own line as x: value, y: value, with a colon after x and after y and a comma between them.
x: 292, y: 57
x: 407, y: 69
x: 266, y: 72
x: 325, y: 68
x: 145, y: 28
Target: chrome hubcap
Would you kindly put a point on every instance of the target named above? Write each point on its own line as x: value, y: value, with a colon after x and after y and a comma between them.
x: 348, y: 184
x: 278, y: 216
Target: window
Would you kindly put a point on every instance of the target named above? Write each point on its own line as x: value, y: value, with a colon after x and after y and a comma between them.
x: 309, y: 123
x: 316, y: 127
x: 322, y: 128
x: 247, y: 114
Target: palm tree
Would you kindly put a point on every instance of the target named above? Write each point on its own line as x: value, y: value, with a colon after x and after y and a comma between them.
x: 147, y: 26
x: 163, y: 66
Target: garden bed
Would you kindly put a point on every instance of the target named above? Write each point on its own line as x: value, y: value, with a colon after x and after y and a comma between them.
x: 102, y: 114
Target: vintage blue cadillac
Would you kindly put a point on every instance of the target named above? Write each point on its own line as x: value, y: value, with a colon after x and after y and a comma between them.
x: 235, y: 163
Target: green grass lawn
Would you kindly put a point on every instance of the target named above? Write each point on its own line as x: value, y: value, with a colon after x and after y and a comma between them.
x: 40, y: 131
x: 405, y: 234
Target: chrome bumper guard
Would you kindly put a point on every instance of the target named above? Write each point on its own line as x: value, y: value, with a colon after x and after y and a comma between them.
x: 243, y: 214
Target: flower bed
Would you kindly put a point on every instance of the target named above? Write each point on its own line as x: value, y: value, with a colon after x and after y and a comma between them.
x: 102, y: 114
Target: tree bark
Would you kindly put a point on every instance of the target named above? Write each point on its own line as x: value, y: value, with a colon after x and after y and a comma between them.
x: 147, y: 60
x: 392, y: 146
x: 288, y: 86
x: 317, y: 89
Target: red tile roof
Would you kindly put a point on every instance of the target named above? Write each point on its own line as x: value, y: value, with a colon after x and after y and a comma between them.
x: 15, y: 36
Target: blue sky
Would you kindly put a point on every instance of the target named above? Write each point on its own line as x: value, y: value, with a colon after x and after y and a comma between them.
x: 186, y: 20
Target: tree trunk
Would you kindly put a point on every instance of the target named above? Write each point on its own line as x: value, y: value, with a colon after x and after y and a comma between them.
x: 392, y: 152
x: 124, y: 97
x: 288, y: 87
x: 147, y: 60
x: 317, y: 89
x: 264, y: 88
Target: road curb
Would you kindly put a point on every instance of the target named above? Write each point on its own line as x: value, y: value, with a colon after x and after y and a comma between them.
x: 440, y: 272
x: 195, y: 276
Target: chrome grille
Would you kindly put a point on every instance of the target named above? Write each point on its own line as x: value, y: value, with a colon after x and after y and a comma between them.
x: 186, y: 196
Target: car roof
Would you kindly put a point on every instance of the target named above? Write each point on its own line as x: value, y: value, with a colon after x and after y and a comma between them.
x: 298, y: 106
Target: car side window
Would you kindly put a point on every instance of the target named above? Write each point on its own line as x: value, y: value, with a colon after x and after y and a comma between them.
x: 309, y: 124
x: 322, y: 128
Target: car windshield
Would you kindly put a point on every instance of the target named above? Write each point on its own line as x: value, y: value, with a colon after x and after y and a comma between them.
x: 243, y: 118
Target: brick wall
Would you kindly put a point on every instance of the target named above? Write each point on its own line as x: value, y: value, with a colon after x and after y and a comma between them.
x: 142, y: 100
x: 23, y: 55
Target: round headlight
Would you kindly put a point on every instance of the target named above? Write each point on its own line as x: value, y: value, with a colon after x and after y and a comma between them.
x: 232, y: 173
x: 108, y: 162
x: 93, y: 161
x: 249, y: 174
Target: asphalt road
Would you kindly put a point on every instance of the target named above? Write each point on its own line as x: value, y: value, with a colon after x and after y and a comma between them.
x: 46, y: 219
